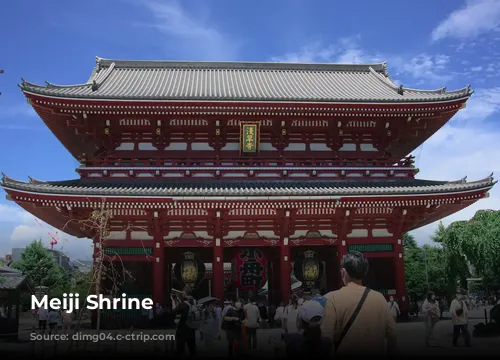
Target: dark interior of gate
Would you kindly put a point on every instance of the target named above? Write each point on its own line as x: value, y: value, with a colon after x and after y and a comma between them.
x: 136, y: 278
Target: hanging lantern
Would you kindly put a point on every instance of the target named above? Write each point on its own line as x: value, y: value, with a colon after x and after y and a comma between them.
x: 191, y: 271
x: 308, y: 270
x: 249, y: 269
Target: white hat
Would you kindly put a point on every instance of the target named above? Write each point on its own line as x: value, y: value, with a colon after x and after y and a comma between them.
x: 312, y: 312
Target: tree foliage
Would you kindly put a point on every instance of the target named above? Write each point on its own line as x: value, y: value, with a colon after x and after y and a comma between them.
x: 40, y: 265
x: 474, y: 245
x: 424, y: 269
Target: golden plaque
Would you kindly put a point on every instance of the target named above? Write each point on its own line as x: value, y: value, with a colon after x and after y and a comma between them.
x: 249, y: 137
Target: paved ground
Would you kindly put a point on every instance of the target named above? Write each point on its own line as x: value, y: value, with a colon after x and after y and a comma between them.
x: 411, y: 342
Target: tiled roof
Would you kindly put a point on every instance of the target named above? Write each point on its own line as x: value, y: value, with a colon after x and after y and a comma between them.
x: 11, y: 281
x: 8, y: 269
x: 242, y: 81
x: 160, y: 188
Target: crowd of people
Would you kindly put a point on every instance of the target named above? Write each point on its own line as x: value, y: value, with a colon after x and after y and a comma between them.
x: 317, y: 325
x: 312, y: 325
x: 51, y: 319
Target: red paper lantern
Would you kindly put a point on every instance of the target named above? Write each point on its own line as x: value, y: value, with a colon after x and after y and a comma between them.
x: 249, y: 269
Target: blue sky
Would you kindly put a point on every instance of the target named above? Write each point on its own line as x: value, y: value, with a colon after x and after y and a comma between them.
x: 427, y: 44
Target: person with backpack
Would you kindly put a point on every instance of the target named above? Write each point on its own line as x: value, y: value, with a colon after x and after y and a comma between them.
x: 210, y: 327
x: 460, y: 319
x: 233, y: 326
x: 190, y: 320
x: 393, y: 308
x: 356, y: 318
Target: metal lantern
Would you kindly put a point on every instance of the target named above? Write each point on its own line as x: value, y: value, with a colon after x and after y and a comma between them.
x: 249, y: 269
x: 308, y: 269
x: 191, y: 271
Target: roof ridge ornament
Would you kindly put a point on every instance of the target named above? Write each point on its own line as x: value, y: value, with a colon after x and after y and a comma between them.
x: 384, y: 68
x: 98, y: 62
x: 35, y: 181
x: 401, y: 90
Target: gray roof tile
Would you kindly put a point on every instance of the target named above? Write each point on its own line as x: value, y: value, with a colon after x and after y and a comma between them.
x: 226, y: 81
x: 11, y: 281
x: 186, y: 187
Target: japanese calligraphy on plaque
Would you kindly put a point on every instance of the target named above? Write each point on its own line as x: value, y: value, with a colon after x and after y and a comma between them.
x: 249, y: 137
x: 250, y: 269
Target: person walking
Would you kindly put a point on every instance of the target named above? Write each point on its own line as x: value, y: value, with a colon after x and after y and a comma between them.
x: 460, y: 319
x: 67, y: 321
x: 233, y: 326
x: 357, y: 319
x: 430, y: 309
x: 309, y: 342
x: 210, y: 328
x: 53, y: 319
x: 280, y: 315
x: 393, y: 308
x: 184, y: 335
x: 252, y: 319
x: 290, y: 315
x: 43, y: 316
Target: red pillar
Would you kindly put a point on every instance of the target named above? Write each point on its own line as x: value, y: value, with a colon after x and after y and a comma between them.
x: 285, y: 267
x: 285, y: 270
x: 399, y: 274
x: 218, y: 261
x: 159, y: 270
x: 399, y: 264
x: 159, y: 263
x: 341, y: 251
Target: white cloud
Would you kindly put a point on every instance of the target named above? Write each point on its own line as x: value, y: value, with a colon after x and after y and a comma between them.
x: 432, y: 69
x: 24, y: 228
x: 344, y: 51
x: 464, y: 149
x: 477, y: 17
x: 476, y: 68
x: 13, y: 214
x: 482, y: 104
x: 189, y: 34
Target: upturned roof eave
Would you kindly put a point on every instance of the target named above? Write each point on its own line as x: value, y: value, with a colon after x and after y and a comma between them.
x: 105, y: 67
x: 38, y: 187
x: 46, y: 92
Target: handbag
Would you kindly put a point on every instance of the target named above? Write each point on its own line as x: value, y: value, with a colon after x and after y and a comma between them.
x: 352, y: 319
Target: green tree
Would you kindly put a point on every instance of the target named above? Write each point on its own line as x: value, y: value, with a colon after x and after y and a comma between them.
x: 424, y: 269
x: 475, y: 242
x: 415, y: 275
x: 41, y: 266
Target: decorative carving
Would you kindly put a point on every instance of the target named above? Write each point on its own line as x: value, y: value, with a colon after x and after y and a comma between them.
x: 231, y: 243
x: 313, y: 234
x: 171, y: 243
x: 205, y: 242
x: 298, y: 241
x: 251, y: 235
x: 187, y: 235
x: 271, y: 242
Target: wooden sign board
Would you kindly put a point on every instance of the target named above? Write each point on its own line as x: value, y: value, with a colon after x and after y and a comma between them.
x: 249, y: 137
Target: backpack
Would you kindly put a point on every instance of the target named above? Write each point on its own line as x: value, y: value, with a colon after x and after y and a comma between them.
x: 195, y: 316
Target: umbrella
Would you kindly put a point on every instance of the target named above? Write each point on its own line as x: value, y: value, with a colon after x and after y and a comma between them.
x: 207, y: 299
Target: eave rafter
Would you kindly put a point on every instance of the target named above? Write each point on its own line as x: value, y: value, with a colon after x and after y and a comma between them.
x: 308, y: 212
